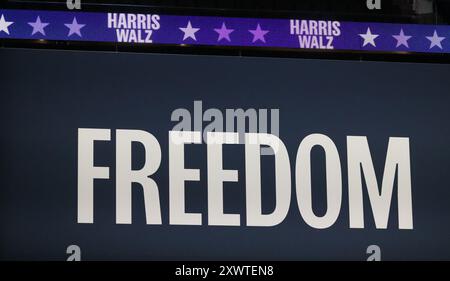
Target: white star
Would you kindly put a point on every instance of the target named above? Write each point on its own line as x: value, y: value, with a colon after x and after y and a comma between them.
x: 435, y: 40
x: 402, y: 39
x: 369, y: 38
x: 189, y: 31
x: 4, y: 25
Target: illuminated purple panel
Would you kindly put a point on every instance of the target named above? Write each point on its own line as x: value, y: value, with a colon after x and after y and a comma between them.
x: 223, y: 31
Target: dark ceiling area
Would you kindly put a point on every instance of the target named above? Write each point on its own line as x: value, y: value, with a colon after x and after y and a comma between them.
x: 421, y: 11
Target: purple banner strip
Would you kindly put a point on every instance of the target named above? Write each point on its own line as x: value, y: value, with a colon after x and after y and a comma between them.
x: 223, y: 31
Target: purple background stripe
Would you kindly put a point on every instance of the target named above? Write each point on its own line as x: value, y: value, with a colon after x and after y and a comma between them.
x: 96, y: 30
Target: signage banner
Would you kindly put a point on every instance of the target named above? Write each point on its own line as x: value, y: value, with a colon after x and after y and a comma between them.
x: 295, y: 33
x: 117, y: 156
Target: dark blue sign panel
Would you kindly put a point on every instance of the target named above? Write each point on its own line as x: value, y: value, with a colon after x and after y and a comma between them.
x: 137, y: 157
x: 148, y: 28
